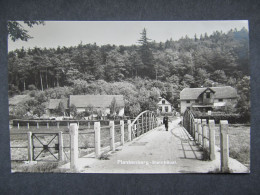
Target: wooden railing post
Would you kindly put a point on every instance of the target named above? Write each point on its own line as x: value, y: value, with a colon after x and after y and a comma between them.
x: 142, y: 124
x: 97, y: 139
x: 191, y: 125
x: 48, y: 125
x: 146, y: 122
x: 149, y: 125
x: 188, y: 122
x: 28, y: 125
x: 122, y: 125
x: 152, y: 121
x: 135, y: 130
x: 212, y: 139
x: 74, y: 150
x: 224, y: 145
x: 137, y: 125
x: 129, y: 128
x: 196, y: 129
x: 37, y: 125
x: 18, y: 126
x: 199, y: 131
x: 112, y: 135
x: 58, y: 125
x: 30, y: 146
x: 61, y: 152
x: 204, y: 138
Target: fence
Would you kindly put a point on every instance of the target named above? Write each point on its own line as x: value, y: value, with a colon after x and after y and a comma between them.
x: 29, y: 124
x: 144, y: 122
x: 203, y: 132
x: 47, y: 146
x: 109, y: 135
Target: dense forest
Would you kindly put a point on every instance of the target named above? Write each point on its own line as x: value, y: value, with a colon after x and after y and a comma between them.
x: 141, y: 72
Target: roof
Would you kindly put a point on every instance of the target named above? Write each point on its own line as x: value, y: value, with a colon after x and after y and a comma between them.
x: 166, y: 102
x: 220, y: 92
x: 54, y: 103
x: 98, y: 101
x: 18, y: 99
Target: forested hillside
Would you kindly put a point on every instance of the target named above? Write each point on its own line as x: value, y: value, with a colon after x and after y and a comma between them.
x: 141, y: 72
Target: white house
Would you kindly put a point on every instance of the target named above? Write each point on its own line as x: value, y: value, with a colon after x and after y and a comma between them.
x: 207, y: 98
x: 164, y: 106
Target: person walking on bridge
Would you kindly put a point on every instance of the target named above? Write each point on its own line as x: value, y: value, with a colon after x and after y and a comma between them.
x: 165, y: 122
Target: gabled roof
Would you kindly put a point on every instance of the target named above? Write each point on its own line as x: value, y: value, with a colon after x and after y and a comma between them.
x: 166, y: 102
x: 209, y: 89
x: 220, y: 92
x: 98, y: 101
x: 18, y: 99
x: 54, y: 103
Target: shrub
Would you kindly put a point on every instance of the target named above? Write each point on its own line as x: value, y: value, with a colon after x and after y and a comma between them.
x: 32, y: 87
x: 41, y: 167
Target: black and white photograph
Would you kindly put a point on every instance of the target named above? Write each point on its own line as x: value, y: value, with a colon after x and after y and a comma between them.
x: 169, y: 97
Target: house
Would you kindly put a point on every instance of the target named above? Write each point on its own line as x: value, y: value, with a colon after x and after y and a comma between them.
x: 97, y: 102
x: 164, y: 106
x: 53, y: 105
x: 207, y: 98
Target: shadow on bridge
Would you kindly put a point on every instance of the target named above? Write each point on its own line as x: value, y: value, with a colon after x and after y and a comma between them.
x: 187, y: 145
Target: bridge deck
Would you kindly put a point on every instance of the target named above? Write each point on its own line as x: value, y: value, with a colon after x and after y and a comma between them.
x: 157, y: 151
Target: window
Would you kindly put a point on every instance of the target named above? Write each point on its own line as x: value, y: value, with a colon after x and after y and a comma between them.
x: 196, y: 101
x: 160, y: 108
x: 220, y: 100
x: 188, y: 101
x: 166, y: 109
x: 163, y: 101
x: 208, y: 95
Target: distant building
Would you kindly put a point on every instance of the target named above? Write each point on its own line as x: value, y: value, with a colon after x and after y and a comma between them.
x: 207, y: 98
x: 54, y: 103
x: 164, y: 106
x: 97, y: 102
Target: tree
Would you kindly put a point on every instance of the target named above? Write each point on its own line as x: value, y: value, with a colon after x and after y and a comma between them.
x: 16, y: 31
x: 243, y: 105
x: 89, y: 110
x: 73, y: 110
x: 219, y: 76
x: 115, y: 69
x: 136, y: 63
x: 39, y: 110
x: 114, y: 108
x: 135, y: 109
x: 146, y: 54
x: 188, y: 80
x: 60, y: 109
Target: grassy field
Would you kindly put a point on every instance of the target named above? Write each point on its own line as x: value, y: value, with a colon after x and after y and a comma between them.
x: 239, y: 142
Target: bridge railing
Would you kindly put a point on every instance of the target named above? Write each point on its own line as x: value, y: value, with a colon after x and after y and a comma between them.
x: 105, y: 137
x: 203, y: 132
x: 143, y: 123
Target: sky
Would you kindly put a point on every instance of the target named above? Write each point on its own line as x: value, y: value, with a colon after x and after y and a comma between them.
x: 72, y: 33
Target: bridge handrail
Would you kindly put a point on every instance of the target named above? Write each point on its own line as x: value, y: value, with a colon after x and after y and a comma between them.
x: 139, y: 116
